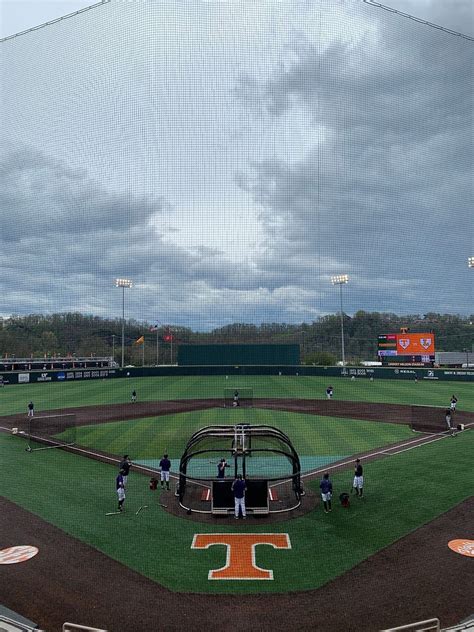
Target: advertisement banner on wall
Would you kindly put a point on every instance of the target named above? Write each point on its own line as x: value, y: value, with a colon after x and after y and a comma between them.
x: 23, y: 378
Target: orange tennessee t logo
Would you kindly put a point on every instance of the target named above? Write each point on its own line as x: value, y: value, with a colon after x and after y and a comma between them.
x: 240, y: 559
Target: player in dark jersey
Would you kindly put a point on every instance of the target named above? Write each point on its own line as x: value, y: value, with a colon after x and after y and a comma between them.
x: 125, y: 466
x: 326, y: 492
x: 221, y: 468
x: 165, y: 466
x: 238, y: 487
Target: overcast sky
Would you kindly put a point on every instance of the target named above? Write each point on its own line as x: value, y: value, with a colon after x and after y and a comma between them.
x: 231, y: 156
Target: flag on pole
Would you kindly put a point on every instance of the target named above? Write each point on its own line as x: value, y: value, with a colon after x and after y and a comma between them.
x: 140, y: 340
x: 154, y: 328
x: 168, y: 337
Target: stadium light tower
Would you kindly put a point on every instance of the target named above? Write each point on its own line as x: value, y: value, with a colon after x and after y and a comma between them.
x: 123, y: 283
x: 470, y: 262
x: 340, y: 280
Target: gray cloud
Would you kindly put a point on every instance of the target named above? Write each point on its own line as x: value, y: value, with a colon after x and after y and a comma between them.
x: 231, y: 177
x: 49, y: 197
x: 388, y: 186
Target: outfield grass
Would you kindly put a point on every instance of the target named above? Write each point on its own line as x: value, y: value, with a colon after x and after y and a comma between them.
x: 402, y: 493
x: 14, y: 399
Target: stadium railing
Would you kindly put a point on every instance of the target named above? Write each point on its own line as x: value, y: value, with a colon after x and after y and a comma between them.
x: 72, y: 627
x: 429, y: 625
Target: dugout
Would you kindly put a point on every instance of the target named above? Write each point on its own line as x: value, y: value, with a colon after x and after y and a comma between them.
x: 238, y: 355
x: 265, y: 457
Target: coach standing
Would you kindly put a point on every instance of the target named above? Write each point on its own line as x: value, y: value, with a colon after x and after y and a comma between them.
x: 239, y: 487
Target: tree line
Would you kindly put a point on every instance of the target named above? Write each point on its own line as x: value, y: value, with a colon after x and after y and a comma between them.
x: 82, y: 335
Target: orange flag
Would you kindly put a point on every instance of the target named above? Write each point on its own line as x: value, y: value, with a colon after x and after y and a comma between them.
x: 140, y: 340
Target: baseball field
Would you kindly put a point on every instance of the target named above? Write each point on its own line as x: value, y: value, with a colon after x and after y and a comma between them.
x: 418, y: 494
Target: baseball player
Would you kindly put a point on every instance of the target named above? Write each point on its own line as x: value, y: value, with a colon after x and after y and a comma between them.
x: 358, y: 483
x: 239, y: 487
x: 31, y: 409
x: 329, y: 392
x: 449, y: 423
x: 134, y: 396
x: 124, y: 467
x: 236, y: 401
x: 452, y: 403
x: 326, y: 492
x: 165, y: 466
x: 221, y: 469
x: 120, y: 487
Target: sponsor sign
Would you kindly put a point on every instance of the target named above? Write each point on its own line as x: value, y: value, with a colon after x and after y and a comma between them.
x: 44, y: 377
x: 23, y: 378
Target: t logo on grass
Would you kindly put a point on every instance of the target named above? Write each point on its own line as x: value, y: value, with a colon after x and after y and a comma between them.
x: 240, y: 559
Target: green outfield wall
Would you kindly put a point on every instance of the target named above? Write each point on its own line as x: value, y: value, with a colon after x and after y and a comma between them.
x: 457, y: 375
x: 239, y: 354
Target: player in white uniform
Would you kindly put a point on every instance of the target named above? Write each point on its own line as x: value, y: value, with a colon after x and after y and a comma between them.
x: 358, y: 483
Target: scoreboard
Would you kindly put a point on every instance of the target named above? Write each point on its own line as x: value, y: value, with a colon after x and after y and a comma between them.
x: 417, y: 349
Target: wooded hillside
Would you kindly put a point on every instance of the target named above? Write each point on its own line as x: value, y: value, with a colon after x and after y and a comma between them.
x: 81, y: 335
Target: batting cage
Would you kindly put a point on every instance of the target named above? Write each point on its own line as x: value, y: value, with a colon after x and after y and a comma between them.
x: 265, y: 457
x: 47, y: 431
x: 234, y: 397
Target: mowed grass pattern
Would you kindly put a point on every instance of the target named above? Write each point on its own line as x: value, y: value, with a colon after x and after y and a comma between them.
x: 311, y: 435
x: 74, y: 494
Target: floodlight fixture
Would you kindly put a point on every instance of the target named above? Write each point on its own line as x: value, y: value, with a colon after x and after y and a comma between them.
x: 470, y: 262
x: 123, y: 283
x: 340, y: 280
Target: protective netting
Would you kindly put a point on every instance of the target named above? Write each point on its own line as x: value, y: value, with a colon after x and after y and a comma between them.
x: 261, y: 454
x: 47, y: 431
x: 239, y: 153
